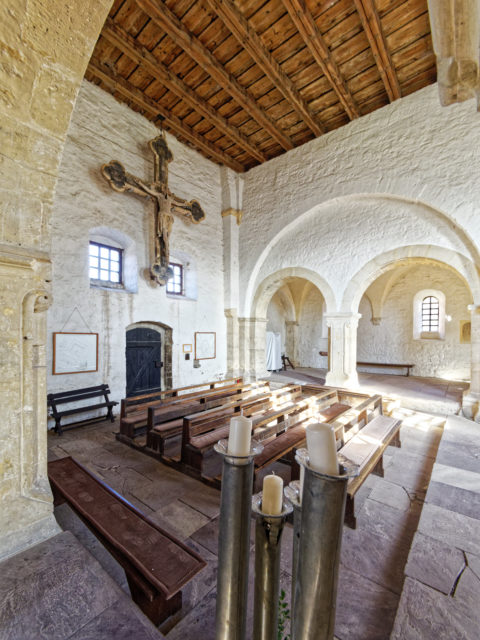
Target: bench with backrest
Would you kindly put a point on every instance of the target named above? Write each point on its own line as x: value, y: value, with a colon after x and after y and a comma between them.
x: 156, y: 564
x: 201, y: 431
x: 380, y: 365
x: 54, y: 400
x: 160, y: 429
x: 135, y: 422
x: 138, y: 402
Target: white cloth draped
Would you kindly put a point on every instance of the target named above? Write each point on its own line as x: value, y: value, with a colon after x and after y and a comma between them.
x: 273, y: 351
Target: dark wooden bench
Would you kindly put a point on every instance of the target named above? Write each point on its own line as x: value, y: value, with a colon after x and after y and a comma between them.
x: 160, y: 430
x: 156, y: 564
x: 381, y: 365
x: 78, y: 395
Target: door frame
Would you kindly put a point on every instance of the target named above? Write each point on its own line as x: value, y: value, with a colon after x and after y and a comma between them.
x: 165, y: 351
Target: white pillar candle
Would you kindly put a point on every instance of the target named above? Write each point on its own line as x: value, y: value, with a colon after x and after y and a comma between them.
x: 272, y: 496
x: 322, y: 450
x: 302, y: 480
x: 239, y: 436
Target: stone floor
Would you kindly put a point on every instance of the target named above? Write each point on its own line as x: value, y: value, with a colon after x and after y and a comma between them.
x: 373, y: 556
x: 432, y: 395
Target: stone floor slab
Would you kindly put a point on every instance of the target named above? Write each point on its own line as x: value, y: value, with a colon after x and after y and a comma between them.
x: 468, y: 480
x: 459, y: 455
x: 391, y: 494
x: 451, y: 528
x: 450, y: 497
x: 179, y: 519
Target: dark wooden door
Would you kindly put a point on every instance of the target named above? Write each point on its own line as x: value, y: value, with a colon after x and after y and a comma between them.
x: 144, y: 366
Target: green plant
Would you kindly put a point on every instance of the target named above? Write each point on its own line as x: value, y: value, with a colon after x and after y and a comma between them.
x: 283, y: 616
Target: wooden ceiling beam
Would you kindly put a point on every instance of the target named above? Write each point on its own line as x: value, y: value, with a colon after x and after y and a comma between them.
x: 305, y: 24
x: 376, y: 38
x: 142, y: 56
x: 251, y: 41
x: 117, y: 83
x: 168, y: 22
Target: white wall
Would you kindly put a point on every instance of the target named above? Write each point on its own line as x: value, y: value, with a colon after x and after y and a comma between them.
x: 310, y: 335
x: 392, y: 340
x: 101, y: 130
x: 395, y: 178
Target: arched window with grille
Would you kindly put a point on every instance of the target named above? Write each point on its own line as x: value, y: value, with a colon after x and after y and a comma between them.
x: 429, y: 315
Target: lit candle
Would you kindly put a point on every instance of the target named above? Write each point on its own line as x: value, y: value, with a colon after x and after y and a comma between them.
x: 272, y: 496
x: 239, y: 436
x: 322, y: 450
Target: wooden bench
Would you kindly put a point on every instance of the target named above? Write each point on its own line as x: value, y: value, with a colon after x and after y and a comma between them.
x: 365, y: 447
x: 159, y: 430
x: 136, y: 421
x: 381, y: 365
x: 133, y: 403
x: 78, y: 395
x: 201, y: 431
x: 156, y: 564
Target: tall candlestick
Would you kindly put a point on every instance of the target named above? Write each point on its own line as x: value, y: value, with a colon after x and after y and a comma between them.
x: 272, y: 496
x: 322, y: 449
x: 240, y: 436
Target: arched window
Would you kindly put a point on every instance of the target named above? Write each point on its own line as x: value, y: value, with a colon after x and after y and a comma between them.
x: 430, y: 314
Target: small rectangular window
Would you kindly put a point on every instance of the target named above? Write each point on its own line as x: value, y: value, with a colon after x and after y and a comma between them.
x: 430, y: 314
x: 175, y: 284
x: 105, y: 263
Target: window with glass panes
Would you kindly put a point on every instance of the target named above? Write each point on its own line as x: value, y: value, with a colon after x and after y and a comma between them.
x: 430, y: 314
x: 105, y: 263
x: 175, y: 284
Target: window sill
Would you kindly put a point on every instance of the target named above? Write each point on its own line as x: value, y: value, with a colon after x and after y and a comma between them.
x: 107, y: 286
x: 430, y: 335
x: 177, y: 296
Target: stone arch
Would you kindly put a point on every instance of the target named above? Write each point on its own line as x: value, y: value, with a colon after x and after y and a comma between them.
x: 453, y: 260
x: 167, y: 341
x: 271, y: 284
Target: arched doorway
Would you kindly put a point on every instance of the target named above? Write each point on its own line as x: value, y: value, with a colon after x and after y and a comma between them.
x: 148, y: 355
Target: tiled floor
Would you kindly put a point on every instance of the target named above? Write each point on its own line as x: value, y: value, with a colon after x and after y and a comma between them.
x: 373, y: 556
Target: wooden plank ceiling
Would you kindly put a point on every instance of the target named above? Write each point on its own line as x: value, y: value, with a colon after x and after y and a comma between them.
x: 243, y: 81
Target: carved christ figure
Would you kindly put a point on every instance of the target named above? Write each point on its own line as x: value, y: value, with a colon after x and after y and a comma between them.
x: 165, y: 202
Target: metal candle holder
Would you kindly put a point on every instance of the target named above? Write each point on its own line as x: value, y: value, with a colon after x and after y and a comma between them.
x: 323, y: 511
x: 268, y: 538
x: 234, y: 542
x: 292, y: 493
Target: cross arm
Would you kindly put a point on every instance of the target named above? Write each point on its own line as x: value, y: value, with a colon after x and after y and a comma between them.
x: 190, y: 209
x: 120, y: 180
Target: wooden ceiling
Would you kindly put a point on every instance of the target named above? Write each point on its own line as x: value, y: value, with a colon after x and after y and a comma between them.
x: 243, y: 81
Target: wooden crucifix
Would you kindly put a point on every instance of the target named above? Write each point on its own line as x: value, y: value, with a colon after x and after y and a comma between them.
x: 165, y: 202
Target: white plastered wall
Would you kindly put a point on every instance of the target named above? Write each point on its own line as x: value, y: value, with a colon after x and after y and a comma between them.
x: 391, y: 340
x: 101, y: 130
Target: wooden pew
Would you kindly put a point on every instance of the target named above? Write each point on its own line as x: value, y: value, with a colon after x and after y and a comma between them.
x: 159, y: 429
x: 156, y: 564
x: 135, y: 422
x: 201, y: 431
x: 133, y: 403
x: 78, y: 395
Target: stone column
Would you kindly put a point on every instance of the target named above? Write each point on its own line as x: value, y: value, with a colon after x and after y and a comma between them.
x: 471, y: 398
x: 342, y: 349
x: 252, y: 339
x: 233, y: 344
x: 291, y: 341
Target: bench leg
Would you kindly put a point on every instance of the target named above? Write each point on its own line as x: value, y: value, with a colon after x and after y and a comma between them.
x: 350, y: 519
x: 58, y: 426
x: 110, y: 414
x: 378, y: 468
x: 396, y: 442
x: 157, y: 609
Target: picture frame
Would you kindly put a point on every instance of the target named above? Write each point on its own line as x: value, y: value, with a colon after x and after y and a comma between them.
x: 74, y: 353
x: 187, y: 348
x: 205, y: 345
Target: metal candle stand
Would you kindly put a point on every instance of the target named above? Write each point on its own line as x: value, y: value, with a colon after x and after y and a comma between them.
x: 234, y: 542
x: 292, y: 493
x: 323, y: 511
x: 268, y: 538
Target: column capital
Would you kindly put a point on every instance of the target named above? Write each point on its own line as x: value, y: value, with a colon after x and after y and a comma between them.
x: 340, y: 319
x: 236, y: 213
x: 474, y: 308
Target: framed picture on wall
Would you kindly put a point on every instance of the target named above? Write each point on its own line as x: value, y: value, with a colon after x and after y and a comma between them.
x: 187, y: 348
x: 205, y: 345
x: 74, y: 353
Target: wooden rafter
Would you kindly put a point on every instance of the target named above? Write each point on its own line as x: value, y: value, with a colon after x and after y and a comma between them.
x: 251, y: 41
x: 168, y: 22
x: 141, y: 56
x: 305, y: 24
x: 171, y: 121
x: 374, y: 32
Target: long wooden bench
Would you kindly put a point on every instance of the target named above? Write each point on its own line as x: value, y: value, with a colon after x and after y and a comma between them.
x: 138, y: 402
x: 156, y: 564
x: 159, y: 429
x: 202, y: 431
x: 79, y: 395
x: 381, y: 365
x: 136, y: 421
x: 366, y: 448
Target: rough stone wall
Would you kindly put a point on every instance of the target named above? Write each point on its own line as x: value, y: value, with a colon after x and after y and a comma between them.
x: 103, y: 129
x: 310, y: 334
x: 392, y: 339
x: 44, y: 50
x: 276, y: 316
x: 412, y: 160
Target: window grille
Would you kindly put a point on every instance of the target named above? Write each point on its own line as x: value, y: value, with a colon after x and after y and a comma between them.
x: 105, y: 263
x: 175, y: 284
x: 430, y: 314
